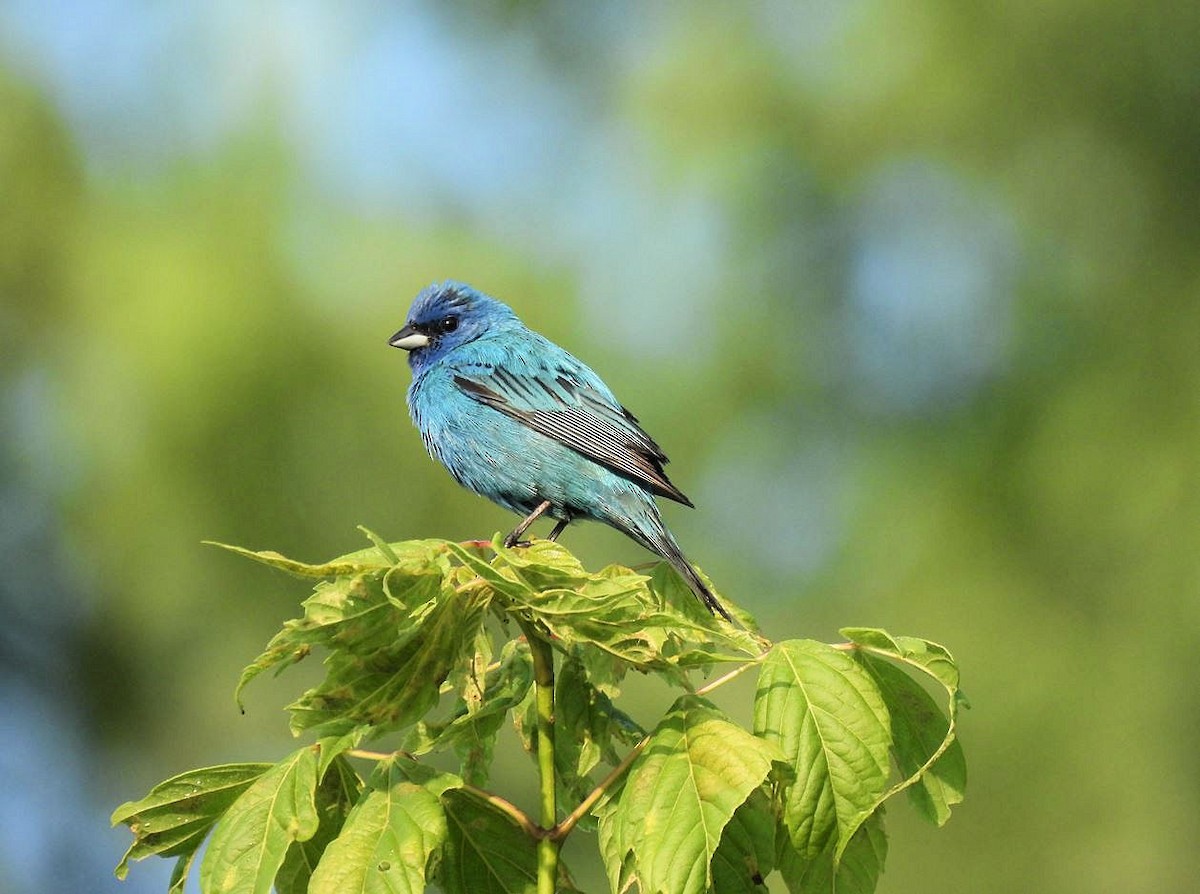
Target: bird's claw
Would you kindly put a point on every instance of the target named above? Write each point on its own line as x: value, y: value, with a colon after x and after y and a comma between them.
x: 510, y: 542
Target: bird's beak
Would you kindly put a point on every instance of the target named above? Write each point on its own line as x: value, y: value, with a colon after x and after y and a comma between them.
x: 409, y: 339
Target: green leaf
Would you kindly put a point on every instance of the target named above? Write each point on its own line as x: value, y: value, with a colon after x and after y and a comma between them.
x: 620, y: 614
x: 825, y: 712
x: 581, y: 720
x: 857, y: 872
x: 647, y: 622
x: 359, y: 614
x: 176, y: 816
x: 543, y: 565
x: 486, y: 851
x: 250, y: 842
x: 336, y: 795
x: 394, y: 686
x: 333, y: 747
x: 932, y: 658
x: 372, y: 598
x: 671, y: 588
x: 385, y: 549
x: 919, y: 729
x: 182, y: 869
x: 947, y: 784
x: 469, y: 678
x: 746, y: 854
x: 432, y: 780
x: 506, y: 584
x: 473, y: 733
x: 586, y: 725
x: 387, y: 840
x: 524, y: 720
x: 412, y: 556
x: 605, y: 671
x: 336, y: 568
x: 617, y: 857
x: 681, y: 792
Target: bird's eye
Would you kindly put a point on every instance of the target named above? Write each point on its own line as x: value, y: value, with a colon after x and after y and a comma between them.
x: 447, y: 324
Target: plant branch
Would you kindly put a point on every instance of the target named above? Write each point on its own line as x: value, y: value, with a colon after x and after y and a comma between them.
x: 375, y: 755
x: 569, y: 822
x: 522, y: 819
x: 564, y: 828
x: 721, y: 681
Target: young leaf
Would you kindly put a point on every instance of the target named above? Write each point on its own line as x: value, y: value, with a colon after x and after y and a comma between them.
x: 696, y: 771
x: 392, y: 687
x: 336, y: 795
x: 579, y: 716
x: 524, y: 720
x: 336, y: 568
x: 473, y: 733
x: 359, y: 613
x: 411, y: 555
x: 469, y: 678
x: 825, y: 712
x: 746, y: 854
x: 671, y: 589
x: 856, y: 872
x: 176, y: 816
x: 586, y: 723
x: 506, y: 584
x: 605, y: 671
x: 250, y: 842
x: 386, y: 842
x: 486, y: 852
x: 918, y: 730
x: 619, y: 614
x: 543, y: 565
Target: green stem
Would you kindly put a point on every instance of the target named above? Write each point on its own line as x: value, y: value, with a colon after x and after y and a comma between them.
x: 543, y: 680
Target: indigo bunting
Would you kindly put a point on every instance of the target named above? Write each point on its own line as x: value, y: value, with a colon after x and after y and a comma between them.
x: 518, y: 420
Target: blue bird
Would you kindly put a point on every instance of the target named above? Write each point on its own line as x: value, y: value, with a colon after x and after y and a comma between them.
x: 518, y: 420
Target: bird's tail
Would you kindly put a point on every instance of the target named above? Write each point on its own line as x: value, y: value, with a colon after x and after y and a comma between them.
x: 656, y: 538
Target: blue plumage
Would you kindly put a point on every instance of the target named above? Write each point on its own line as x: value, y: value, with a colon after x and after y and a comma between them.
x: 518, y: 420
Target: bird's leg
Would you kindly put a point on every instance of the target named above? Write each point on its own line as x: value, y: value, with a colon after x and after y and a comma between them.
x: 514, y: 539
x: 559, y: 528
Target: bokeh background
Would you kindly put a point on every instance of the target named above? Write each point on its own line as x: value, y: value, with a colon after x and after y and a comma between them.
x: 910, y: 292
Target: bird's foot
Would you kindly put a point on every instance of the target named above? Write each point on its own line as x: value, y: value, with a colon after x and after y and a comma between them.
x: 514, y: 537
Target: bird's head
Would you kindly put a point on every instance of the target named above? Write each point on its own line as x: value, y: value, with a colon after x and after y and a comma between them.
x: 443, y: 317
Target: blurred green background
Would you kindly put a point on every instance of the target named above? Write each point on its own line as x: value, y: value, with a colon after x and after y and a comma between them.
x: 909, y: 292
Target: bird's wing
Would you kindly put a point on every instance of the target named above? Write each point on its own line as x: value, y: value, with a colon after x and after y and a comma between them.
x: 564, y: 400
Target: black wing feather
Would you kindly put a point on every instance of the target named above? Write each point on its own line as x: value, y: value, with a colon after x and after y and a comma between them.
x: 608, y: 435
